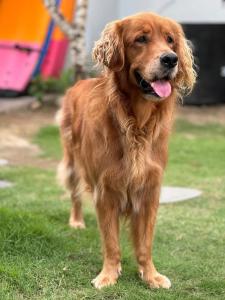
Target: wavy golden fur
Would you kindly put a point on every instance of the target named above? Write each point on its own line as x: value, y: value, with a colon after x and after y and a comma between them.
x: 115, y: 134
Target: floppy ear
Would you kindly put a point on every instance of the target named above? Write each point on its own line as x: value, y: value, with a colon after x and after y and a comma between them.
x: 109, y: 49
x: 187, y: 77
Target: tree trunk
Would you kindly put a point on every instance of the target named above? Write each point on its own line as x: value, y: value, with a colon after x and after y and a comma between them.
x: 75, y: 32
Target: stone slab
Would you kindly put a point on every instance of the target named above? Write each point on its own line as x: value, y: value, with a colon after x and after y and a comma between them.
x: 177, y: 194
x: 5, y: 184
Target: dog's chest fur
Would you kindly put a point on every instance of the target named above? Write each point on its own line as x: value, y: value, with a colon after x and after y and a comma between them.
x: 138, y: 164
x: 137, y: 144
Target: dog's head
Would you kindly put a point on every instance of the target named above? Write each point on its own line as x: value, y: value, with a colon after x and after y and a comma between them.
x: 152, y: 50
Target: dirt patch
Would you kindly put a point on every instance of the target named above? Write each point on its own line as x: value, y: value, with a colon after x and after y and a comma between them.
x: 202, y: 114
x: 26, y: 123
x: 16, y: 132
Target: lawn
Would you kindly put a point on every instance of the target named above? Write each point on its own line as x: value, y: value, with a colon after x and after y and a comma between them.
x: 42, y: 258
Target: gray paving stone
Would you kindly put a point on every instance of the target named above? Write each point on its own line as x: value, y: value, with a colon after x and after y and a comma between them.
x: 5, y: 184
x: 176, y: 194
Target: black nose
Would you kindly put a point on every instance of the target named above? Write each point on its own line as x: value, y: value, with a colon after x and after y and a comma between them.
x: 169, y: 60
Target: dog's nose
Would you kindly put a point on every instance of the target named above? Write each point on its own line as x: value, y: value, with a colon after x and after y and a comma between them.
x: 169, y: 60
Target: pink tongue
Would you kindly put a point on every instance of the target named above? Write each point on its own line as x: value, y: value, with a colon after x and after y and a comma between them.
x: 162, y: 88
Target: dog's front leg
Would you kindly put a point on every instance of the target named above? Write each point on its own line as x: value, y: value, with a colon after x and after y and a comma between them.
x: 143, y: 223
x: 108, y: 219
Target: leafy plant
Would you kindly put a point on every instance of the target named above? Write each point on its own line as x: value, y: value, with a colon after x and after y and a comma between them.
x: 41, y: 86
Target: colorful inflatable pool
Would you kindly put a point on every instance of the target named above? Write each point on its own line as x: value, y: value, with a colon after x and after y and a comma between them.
x: 55, y: 57
x: 29, y: 42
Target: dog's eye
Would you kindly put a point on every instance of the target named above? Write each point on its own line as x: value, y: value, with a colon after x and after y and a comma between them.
x: 142, y: 39
x: 170, y: 39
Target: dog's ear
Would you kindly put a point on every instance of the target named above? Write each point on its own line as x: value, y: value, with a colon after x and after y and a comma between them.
x: 109, y: 49
x: 187, y: 74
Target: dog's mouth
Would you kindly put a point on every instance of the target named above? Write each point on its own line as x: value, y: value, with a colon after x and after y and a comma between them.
x: 160, y: 88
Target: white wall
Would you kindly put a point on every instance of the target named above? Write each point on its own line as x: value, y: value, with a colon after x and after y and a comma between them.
x: 187, y: 11
x: 100, y: 12
x: 198, y: 11
x: 129, y: 7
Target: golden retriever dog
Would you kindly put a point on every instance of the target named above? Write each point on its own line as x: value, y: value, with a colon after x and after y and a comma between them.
x: 115, y: 131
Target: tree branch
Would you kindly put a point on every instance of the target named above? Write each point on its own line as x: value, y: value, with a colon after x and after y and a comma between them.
x: 67, y: 28
x: 75, y: 31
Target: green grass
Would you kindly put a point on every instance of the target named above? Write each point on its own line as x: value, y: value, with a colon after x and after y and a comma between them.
x: 42, y: 258
x: 48, y: 139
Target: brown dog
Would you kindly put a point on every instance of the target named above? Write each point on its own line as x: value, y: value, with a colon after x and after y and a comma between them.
x: 115, y: 131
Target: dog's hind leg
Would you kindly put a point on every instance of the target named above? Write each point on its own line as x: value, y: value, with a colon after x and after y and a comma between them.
x: 76, y: 216
x: 69, y: 178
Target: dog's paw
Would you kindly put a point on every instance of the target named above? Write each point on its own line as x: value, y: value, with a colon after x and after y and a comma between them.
x: 156, y: 281
x: 105, y: 279
x: 77, y: 224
